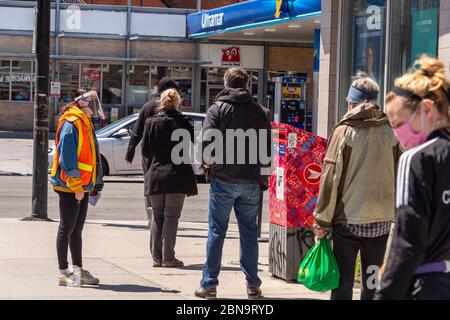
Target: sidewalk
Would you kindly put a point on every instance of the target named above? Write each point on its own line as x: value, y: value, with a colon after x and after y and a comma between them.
x: 16, y: 157
x: 117, y: 252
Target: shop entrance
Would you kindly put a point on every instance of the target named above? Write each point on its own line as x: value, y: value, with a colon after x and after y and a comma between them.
x: 212, y: 84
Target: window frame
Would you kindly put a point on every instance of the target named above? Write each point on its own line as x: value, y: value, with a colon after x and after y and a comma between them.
x: 32, y: 75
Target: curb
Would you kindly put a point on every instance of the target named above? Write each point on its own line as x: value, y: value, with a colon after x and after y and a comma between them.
x: 15, y: 174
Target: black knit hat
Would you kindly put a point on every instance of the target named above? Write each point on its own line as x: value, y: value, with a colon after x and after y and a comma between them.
x: 167, y: 83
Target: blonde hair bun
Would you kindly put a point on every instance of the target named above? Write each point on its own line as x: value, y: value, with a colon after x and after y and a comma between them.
x: 170, y: 99
x: 429, y: 67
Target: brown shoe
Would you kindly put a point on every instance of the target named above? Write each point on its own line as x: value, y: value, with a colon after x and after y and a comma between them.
x: 175, y: 263
x: 206, y: 293
x: 254, y: 293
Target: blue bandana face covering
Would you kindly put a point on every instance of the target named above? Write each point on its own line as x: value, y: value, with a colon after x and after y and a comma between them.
x: 356, y: 95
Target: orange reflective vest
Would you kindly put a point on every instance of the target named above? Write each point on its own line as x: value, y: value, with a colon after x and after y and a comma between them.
x: 86, y: 147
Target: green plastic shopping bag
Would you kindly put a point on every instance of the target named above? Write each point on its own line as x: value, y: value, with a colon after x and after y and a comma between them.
x: 319, y: 270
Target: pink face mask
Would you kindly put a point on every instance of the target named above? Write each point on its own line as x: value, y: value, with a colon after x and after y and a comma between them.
x: 407, y: 137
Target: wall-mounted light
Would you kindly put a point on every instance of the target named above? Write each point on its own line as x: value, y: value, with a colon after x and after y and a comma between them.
x: 294, y: 26
x: 270, y: 30
x: 249, y: 33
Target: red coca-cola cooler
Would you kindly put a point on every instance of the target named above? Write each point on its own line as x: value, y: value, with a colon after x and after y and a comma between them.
x: 293, y: 191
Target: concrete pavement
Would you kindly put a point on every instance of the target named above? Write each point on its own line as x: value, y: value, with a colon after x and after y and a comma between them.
x: 117, y: 252
x: 16, y: 156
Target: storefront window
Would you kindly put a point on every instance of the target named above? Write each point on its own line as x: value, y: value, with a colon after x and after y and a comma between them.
x: 16, y: 80
x: 203, y: 96
x: 415, y: 31
x: 158, y: 72
x: 90, y: 77
x: 363, y: 44
x: 215, y: 76
x: 69, y: 76
x: 254, y: 84
x: 183, y: 75
x: 215, y: 84
x: 5, y: 69
x: 112, y: 84
x: 138, y: 89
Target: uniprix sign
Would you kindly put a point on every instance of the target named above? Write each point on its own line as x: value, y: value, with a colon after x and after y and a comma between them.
x: 231, y: 56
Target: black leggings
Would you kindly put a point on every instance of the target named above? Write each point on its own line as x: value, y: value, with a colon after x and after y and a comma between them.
x: 72, y: 217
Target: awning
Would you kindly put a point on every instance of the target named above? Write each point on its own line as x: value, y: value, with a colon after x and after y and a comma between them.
x: 250, y: 14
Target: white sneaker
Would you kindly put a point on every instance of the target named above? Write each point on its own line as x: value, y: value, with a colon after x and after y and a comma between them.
x: 68, y: 280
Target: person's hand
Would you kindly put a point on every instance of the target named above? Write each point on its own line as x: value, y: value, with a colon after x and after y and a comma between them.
x: 79, y: 196
x: 320, y: 233
x: 128, y: 162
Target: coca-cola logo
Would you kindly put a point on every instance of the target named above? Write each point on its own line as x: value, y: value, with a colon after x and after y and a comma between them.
x: 231, y: 56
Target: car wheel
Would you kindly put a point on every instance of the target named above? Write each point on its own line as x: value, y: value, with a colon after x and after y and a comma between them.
x: 105, y: 167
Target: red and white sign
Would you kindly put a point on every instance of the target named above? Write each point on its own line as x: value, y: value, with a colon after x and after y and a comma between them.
x: 55, y: 89
x: 231, y: 56
x: 223, y: 56
x: 312, y: 173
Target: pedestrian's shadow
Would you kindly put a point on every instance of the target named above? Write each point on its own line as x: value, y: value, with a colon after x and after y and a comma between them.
x: 131, y: 288
x: 273, y: 298
x: 199, y: 267
x: 197, y: 236
x: 129, y: 226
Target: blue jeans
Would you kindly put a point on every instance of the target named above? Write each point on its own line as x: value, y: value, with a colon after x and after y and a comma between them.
x: 245, y: 200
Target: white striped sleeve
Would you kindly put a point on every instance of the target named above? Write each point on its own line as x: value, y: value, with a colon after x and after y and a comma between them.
x: 403, y: 176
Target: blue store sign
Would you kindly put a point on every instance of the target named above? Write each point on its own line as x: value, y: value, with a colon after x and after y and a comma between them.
x: 250, y: 14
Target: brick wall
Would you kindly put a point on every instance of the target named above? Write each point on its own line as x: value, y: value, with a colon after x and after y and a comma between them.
x: 166, y: 50
x: 16, y: 116
x: 206, y: 4
x: 15, y: 44
x: 143, y: 3
x: 294, y: 59
x: 187, y: 4
x: 92, y: 47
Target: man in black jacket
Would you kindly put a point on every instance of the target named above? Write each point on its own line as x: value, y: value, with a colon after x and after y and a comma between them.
x: 148, y: 110
x: 236, y: 148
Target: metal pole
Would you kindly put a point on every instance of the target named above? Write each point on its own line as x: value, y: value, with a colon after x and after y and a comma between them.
x: 40, y: 143
x: 199, y: 5
x: 260, y: 209
x: 127, y: 55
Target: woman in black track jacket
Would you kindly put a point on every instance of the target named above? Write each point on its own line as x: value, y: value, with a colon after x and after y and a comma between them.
x: 418, y: 266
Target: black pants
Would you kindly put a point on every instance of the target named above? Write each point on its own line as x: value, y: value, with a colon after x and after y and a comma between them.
x: 431, y: 286
x: 345, y: 247
x: 72, y: 217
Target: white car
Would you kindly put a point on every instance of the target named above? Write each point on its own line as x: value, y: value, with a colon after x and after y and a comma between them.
x: 113, y: 143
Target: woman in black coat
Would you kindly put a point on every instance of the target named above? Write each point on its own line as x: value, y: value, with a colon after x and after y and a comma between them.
x: 168, y: 180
